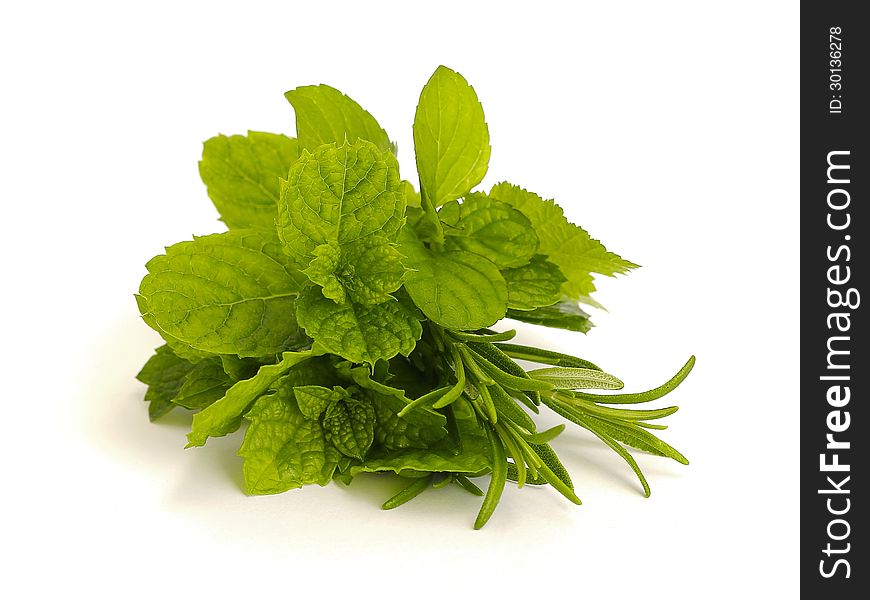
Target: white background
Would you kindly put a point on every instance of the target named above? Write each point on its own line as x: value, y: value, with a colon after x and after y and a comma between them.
x: 668, y: 130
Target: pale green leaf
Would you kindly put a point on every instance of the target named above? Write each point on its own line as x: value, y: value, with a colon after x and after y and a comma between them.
x: 368, y: 270
x: 458, y: 290
x: 358, y: 332
x: 282, y: 449
x: 340, y: 194
x: 324, y: 115
x: 451, y: 138
x: 493, y: 229
x: 241, y: 174
x: 412, y: 196
x: 322, y: 269
x: 567, y: 245
x: 227, y: 293
x: 224, y: 416
x: 535, y: 284
x: 576, y: 378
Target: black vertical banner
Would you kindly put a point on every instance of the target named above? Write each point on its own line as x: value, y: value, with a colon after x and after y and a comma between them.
x: 835, y: 353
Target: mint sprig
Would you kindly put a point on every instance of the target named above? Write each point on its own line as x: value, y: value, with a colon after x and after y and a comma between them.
x: 347, y: 318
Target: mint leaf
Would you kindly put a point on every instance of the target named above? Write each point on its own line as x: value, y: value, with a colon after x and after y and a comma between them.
x: 224, y: 416
x: 412, y: 196
x: 368, y: 270
x: 323, y: 269
x: 164, y: 374
x: 459, y: 290
x: 282, y: 449
x: 493, y: 229
x: 205, y: 384
x: 565, y: 244
x: 350, y: 426
x: 467, y: 453
x: 242, y: 368
x: 340, y: 211
x: 535, y: 284
x: 340, y: 194
x: 562, y: 315
x: 241, y: 174
x: 358, y: 332
x: 324, y: 115
x: 227, y: 293
x: 417, y: 429
x: 313, y: 399
x: 451, y: 139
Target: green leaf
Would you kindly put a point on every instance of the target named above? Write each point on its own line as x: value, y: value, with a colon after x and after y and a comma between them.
x: 412, y: 196
x: 324, y: 115
x: 164, y: 374
x: 432, y: 459
x: 508, y: 408
x: 545, y: 357
x: 451, y: 139
x: 458, y: 290
x: 350, y: 426
x: 566, y: 314
x: 358, y: 332
x: 535, y: 284
x: 633, y: 436
x: 648, y: 396
x: 224, y: 416
x: 241, y: 174
x: 417, y: 429
x: 313, y: 399
x: 576, y: 378
x: 340, y: 212
x: 242, y: 368
x: 227, y: 293
x: 368, y: 270
x: 417, y: 487
x: 282, y: 449
x: 471, y: 455
x: 205, y: 384
x: 546, y: 453
x: 340, y: 194
x: 496, y: 483
x: 567, y: 245
x: 493, y: 229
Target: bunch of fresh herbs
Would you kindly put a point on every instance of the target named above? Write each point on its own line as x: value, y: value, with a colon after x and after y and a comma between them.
x: 346, y: 317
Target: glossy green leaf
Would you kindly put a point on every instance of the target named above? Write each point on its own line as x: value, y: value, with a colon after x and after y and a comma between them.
x: 227, y: 293
x: 451, y: 139
x: 458, y: 290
